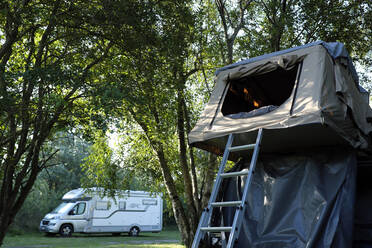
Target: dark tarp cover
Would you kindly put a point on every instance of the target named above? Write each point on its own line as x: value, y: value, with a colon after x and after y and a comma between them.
x: 363, y: 206
x: 295, y: 200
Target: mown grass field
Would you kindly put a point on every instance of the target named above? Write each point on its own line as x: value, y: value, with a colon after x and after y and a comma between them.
x: 164, y: 239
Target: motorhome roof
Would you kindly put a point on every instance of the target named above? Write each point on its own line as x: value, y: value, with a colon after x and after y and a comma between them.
x: 86, y: 192
x: 73, y: 194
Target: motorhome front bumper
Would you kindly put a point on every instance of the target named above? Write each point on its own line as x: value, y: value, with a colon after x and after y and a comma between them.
x: 48, y: 226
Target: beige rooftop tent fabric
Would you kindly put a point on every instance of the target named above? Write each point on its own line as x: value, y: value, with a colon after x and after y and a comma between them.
x: 324, y: 106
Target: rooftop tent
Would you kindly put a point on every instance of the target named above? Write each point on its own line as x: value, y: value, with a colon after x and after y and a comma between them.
x: 303, y: 97
x: 306, y: 188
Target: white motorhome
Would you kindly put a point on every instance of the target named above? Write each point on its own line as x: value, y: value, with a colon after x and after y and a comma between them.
x: 85, y: 211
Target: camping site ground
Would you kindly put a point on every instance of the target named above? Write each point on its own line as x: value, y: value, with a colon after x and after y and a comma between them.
x: 165, y: 239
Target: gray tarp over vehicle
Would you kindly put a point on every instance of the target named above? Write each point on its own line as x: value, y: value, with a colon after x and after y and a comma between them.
x: 315, y: 118
x: 295, y: 200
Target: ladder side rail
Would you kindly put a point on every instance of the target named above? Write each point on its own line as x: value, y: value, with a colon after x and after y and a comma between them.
x: 238, y: 218
x: 199, y: 233
x: 252, y: 167
x: 223, y: 236
x: 204, y: 220
x: 221, y: 170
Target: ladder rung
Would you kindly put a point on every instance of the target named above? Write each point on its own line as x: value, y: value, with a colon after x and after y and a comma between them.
x: 226, y: 204
x: 235, y: 174
x: 241, y: 148
x: 216, y: 229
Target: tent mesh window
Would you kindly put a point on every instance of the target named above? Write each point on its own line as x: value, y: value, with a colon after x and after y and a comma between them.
x: 259, y: 94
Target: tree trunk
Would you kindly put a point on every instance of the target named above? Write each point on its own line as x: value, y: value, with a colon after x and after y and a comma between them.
x: 178, y: 210
x: 209, y: 179
x: 192, y: 162
x: 230, y: 48
x: 184, y: 165
x: 4, y: 224
x: 177, y: 207
x: 15, y: 189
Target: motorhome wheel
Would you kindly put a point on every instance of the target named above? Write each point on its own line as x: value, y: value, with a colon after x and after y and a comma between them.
x: 134, y: 231
x: 66, y: 230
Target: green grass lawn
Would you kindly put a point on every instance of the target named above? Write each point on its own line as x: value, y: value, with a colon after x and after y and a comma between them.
x: 164, y: 239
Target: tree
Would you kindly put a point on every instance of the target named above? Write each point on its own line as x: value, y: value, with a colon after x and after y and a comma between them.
x: 101, y: 169
x: 62, y: 173
x: 153, y: 99
x: 232, y: 18
x: 48, y: 53
x: 272, y: 25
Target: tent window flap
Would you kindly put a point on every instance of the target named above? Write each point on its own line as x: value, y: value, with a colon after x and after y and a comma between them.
x: 259, y: 94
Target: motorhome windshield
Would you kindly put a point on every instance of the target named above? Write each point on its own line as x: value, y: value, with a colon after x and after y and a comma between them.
x: 63, y: 207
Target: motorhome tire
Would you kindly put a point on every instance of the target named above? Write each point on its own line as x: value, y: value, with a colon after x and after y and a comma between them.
x: 66, y: 230
x: 134, y: 231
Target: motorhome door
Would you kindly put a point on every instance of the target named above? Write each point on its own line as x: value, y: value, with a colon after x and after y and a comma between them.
x: 79, y: 216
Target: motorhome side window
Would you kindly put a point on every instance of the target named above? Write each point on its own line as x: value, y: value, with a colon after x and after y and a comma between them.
x: 103, y: 205
x: 78, y: 209
x: 149, y: 202
x: 121, y: 205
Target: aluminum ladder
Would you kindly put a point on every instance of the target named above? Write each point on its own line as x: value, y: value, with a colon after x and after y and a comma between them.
x: 234, y: 230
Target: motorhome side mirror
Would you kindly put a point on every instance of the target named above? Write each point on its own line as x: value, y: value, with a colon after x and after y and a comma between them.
x: 72, y: 212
